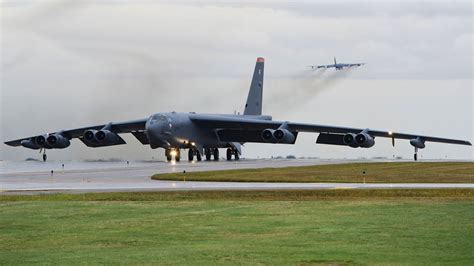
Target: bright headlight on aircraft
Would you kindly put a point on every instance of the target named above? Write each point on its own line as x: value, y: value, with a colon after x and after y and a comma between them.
x: 193, y: 144
x: 390, y: 133
x: 173, y: 153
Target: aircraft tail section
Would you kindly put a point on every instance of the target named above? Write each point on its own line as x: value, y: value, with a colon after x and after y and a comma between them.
x: 253, y: 106
x: 335, y: 62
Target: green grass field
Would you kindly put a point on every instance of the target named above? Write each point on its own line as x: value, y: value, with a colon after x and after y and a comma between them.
x: 391, y: 172
x: 240, y: 227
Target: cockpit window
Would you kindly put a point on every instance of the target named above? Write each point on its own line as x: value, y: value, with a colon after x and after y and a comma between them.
x: 160, y: 118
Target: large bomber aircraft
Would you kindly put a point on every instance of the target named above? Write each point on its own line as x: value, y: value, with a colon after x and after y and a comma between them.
x: 204, y: 134
x: 338, y: 66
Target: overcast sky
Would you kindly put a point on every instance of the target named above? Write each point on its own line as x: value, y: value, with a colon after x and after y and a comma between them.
x: 67, y: 64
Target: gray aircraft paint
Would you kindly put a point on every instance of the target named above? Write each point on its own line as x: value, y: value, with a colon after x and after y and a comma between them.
x: 197, y: 132
x: 253, y: 106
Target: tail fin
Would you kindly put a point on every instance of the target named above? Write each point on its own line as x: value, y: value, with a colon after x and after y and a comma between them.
x: 254, y: 99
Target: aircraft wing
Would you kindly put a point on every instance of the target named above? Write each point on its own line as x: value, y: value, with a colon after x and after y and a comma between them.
x: 229, y: 124
x: 323, y: 66
x: 122, y: 127
x: 356, y: 64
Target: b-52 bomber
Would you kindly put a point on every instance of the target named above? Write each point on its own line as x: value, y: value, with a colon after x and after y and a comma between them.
x: 338, y: 66
x: 205, y: 134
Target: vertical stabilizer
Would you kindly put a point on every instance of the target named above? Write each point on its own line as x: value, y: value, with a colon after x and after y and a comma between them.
x: 253, y: 106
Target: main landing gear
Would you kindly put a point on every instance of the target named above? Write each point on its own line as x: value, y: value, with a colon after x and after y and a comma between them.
x: 415, y: 156
x: 170, y: 153
x: 231, y: 152
x: 193, y: 152
x: 209, y: 152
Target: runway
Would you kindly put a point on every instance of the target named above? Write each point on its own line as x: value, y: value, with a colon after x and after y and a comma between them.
x: 79, y: 177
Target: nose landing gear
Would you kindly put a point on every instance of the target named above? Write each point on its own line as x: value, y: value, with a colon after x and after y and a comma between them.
x: 170, y: 153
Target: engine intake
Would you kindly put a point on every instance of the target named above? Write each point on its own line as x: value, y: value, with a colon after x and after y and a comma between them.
x: 89, y: 135
x: 57, y: 141
x: 106, y: 137
x: 267, y: 135
x: 101, y: 138
x: 284, y: 136
x: 364, y: 140
x: 349, y: 140
x: 40, y: 141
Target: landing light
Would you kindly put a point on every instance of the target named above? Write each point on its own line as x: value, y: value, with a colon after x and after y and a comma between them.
x: 193, y: 144
x: 173, y: 153
x: 390, y: 133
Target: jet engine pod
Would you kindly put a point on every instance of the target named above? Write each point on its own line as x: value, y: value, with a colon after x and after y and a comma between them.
x: 267, y: 135
x: 282, y: 135
x: 364, y: 140
x: 30, y: 143
x: 89, y: 135
x: 106, y: 137
x: 418, y: 143
x: 41, y: 141
x: 57, y: 141
x: 349, y: 140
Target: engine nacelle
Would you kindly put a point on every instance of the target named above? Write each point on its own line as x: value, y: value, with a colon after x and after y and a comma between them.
x: 106, y: 137
x: 89, y: 136
x: 418, y: 143
x: 267, y: 135
x: 282, y: 135
x: 57, y: 141
x: 30, y: 144
x: 41, y: 141
x: 364, y: 140
x: 350, y: 140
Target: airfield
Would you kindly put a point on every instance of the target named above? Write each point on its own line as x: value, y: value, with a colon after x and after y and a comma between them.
x: 66, y: 217
x: 32, y: 177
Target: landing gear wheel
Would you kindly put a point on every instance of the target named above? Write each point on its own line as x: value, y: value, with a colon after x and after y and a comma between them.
x: 236, y: 155
x: 168, y: 155
x: 45, y: 157
x: 190, y: 155
x: 415, y: 156
x: 208, y: 154
x: 198, y: 156
x: 177, y: 158
x: 216, y: 154
x: 229, y: 154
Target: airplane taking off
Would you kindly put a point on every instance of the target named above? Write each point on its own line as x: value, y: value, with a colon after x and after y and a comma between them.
x: 204, y: 134
x: 337, y: 66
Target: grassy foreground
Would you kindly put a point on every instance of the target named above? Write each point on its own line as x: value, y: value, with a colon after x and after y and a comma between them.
x: 240, y: 227
x: 391, y: 172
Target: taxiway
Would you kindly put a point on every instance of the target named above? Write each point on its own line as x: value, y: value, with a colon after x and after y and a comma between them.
x: 78, y: 177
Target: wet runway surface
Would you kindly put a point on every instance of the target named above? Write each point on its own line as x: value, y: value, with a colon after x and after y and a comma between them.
x: 77, y: 177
